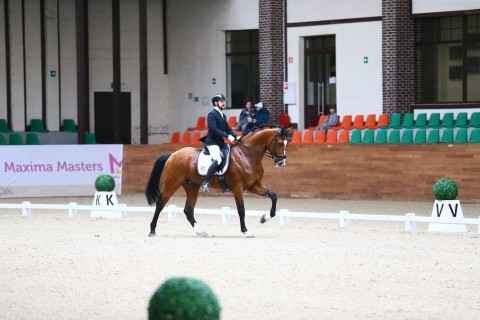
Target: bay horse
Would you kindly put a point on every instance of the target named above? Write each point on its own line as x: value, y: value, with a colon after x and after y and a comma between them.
x: 245, y: 172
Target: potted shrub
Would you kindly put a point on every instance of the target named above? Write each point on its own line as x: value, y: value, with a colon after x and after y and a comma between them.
x: 182, y: 298
x: 446, y: 206
x: 105, y: 196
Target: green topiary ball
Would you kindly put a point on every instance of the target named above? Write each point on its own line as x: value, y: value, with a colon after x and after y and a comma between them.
x: 445, y: 189
x: 184, y: 299
x: 104, y: 182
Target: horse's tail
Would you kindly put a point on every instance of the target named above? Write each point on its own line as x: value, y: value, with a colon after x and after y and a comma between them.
x: 152, y: 191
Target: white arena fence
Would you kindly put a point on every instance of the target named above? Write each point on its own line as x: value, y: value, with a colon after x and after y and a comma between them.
x: 344, y: 217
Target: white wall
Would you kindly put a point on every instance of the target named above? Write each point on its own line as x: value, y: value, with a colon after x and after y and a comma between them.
x: 319, y: 10
x: 197, y: 53
x: 3, y: 82
x: 428, y: 6
x: 359, y: 84
x: 51, y: 63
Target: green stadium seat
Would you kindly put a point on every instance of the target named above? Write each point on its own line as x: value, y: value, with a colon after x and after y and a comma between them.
x: 36, y: 125
x: 462, y: 120
x: 4, y: 126
x: 90, y: 138
x: 447, y: 121
x: 421, y: 121
x: 15, y: 139
x: 381, y: 137
x: 32, y: 139
x: 356, y: 137
x: 407, y: 136
x: 433, y: 136
x: 407, y: 122
x: 434, y: 121
x: 69, y: 125
x: 394, y: 136
x: 395, y: 121
x: 2, y: 140
x: 461, y: 136
x: 447, y: 136
x: 474, y: 136
x: 369, y: 136
x: 474, y: 120
x: 420, y: 136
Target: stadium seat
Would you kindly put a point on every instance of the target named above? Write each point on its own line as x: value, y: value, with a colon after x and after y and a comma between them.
x: 2, y: 140
x: 15, y: 139
x: 4, y: 126
x: 420, y: 136
x: 407, y: 136
x: 321, y: 119
x: 356, y: 137
x: 408, y: 122
x: 381, y: 137
x: 69, y: 125
x: 338, y: 126
x: 433, y: 136
x: 371, y: 121
x: 382, y: 121
x: 421, y: 121
x: 297, y: 137
x: 175, y: 139
x: 185, y: 139
x: 394, y: 136
x: 232, y: 122
x: 320, y: 137
x: 447, y: 121
x: 474, y: 120
x: 447, y: 136
x: 308, y: 137
x: 90, y: 138
x: 462, y: 120
x: 36, y: 125
x: 369, y: 136
x: 332, y: 137
x: 344, y: 136
x: 434, y: 120
x: 395, y: 121
x: 347, y: 122
x: 200, y: 126
x: 461, y: 136
x: 474, y: 136
x: 359, y: 122
x: 32, y: 139
x: 196, y: 137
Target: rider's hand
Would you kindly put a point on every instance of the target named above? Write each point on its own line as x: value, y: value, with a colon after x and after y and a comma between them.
x: 231, y: 138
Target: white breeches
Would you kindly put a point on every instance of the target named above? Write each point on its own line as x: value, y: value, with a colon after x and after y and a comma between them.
x: 215, y: 153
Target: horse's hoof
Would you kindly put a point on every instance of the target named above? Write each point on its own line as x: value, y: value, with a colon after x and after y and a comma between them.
x: 264, y: 219
x: 152, y: 235
x: 203, y: 234
x: 248, y: 234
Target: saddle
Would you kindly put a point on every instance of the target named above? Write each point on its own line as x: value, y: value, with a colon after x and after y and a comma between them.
x: 205, y: 160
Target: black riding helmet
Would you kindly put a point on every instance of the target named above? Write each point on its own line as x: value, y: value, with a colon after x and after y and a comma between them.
x: 218, y: 97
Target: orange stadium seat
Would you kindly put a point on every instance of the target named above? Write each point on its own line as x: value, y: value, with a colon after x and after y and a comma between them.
x: 344, y: 136
x: 321, y: 119
x: 347, y: 122
x: 320, y: 137
x: 195, y: 137
x: 359, y: 122
x: 185, y: 138
x: 382, y: 120
x: 232, y: 122
x: 371, y: 121
x: 297, y: 137
x: 331, y: 137
x: 175, y: 137
x: 308, y: 137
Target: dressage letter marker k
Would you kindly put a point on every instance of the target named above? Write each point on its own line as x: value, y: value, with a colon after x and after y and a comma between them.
x: 97, y: 200
x: 109, y: 200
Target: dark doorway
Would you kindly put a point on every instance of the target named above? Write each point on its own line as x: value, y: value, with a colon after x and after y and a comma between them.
x: 104, y: 119
x: 320, y: 77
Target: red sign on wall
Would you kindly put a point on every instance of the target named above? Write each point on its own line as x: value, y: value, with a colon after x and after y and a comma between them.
x: 190, y: 96
x: 290, y: 59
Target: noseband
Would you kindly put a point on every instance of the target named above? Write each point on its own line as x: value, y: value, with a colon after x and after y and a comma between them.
x: 273, y: 155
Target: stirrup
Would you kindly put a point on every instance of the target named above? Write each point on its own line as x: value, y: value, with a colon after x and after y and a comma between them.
x: 205, y: 186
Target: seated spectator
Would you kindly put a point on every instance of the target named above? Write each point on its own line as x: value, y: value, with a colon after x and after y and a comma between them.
x: 261, y: 117
x: 246, y: 115
x: 330, y: 121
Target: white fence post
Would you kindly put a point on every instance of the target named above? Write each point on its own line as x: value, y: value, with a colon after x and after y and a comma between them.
x: 72, y: 212
x: 283, y: 221
x: 410, y: 226
x: 344, y: 222
x: 26, y: 212
x: 226, y: 217
x: 171, y: 213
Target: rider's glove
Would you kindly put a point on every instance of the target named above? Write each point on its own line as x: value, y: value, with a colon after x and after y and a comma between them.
x: 231, y: 138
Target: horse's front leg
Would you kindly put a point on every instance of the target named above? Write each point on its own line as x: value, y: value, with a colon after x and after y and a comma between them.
x: 241, y: 212
x: 262, y: 191
x: 153, y: 224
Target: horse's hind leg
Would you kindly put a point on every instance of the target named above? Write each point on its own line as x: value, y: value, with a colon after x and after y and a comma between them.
x: 166, y: 195
x: 262, y: 191
x: 192, y: 195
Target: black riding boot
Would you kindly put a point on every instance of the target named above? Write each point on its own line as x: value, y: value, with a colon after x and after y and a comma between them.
x: 211, y: 171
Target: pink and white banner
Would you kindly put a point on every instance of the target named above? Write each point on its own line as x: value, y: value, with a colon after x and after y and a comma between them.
x: 57, y: 170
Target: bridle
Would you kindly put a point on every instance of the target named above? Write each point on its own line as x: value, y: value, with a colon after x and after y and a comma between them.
x: 279, y: 159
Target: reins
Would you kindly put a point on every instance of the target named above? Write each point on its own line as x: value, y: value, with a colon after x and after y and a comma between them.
x: 266, y: 153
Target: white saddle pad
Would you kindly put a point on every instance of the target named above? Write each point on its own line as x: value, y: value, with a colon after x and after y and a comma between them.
x: 204, y: 162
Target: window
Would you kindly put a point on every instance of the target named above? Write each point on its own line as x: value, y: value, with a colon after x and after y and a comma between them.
x: 448, y: 59
x: 243, y: 77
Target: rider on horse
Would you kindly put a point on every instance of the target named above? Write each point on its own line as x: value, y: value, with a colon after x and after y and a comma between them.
x: 218, y: 130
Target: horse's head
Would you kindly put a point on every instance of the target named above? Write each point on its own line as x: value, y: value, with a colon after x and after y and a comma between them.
x: 268, y: 142
x: 277, y: 147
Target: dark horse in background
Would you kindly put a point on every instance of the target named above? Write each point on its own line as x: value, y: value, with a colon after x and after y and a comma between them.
x: 245, y: 172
